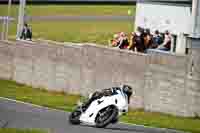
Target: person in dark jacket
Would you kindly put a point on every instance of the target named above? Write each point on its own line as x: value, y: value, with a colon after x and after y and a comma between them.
x: 26, y: 32
x: 157, y: 39
x: 136, y: 43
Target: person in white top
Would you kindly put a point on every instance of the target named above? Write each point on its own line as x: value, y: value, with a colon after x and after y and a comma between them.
x: 166, y: 46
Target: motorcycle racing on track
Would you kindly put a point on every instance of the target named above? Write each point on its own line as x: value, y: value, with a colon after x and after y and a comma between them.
x: 103, y: 107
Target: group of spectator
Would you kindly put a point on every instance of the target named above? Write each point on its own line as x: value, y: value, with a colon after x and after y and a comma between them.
x: 142, y: 40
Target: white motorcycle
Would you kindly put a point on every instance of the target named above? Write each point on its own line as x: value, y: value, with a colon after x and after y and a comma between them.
x: 104, y: 110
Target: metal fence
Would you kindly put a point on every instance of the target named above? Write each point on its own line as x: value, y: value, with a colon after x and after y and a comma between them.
x: 4, y: 20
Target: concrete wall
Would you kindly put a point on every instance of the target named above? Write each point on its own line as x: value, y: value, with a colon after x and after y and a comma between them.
x: 193, y: 83
x: 165, y: 84
x: 107, y: 67
x: 6, y: 60
x: 162, y: 82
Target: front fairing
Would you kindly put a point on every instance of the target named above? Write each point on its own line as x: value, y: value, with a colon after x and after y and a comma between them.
x: 119, y: 100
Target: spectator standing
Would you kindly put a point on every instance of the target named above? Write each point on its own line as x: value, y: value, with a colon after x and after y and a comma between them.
x: 26, y: 32
x: 132, y: 42
x: 147, y: 39
x: 138, y: 41
x: 115, y: 41
x: 157, y: 39
x: 123, y: 41
x: 166, y: 46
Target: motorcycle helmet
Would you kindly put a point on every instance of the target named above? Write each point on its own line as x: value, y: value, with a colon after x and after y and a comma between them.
x: 128, y: 91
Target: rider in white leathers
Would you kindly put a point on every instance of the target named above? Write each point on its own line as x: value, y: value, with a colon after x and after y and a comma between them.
x: 107, y: 92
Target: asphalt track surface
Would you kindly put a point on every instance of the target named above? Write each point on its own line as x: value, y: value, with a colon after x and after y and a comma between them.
x: 21, y: 115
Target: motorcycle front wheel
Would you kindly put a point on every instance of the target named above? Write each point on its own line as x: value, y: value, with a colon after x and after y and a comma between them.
x: 106, y: 116
x: 74, y: 117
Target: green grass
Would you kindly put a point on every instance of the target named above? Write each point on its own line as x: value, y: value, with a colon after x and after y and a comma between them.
x: 69, y: 10
x: 162, y: 121
x: 73, y: 31
x: 67, y: 102
x: 4, y: 10
x: 79, y: 31
x: 13, y: 130
x: 76, y: 31
x: 10, y: 89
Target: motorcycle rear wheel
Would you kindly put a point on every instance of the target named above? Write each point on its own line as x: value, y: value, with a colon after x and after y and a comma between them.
x: 106, y: 116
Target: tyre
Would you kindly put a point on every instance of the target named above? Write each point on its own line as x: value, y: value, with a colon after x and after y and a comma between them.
x: 106, y: 116
x: 74, y: 117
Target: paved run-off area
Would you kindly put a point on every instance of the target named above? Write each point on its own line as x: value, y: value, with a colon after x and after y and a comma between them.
x: 20, y: 115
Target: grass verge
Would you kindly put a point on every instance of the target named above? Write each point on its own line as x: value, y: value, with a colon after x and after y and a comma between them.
x: 80, y: 31
x: 98, y: 32
x: 13, y: 130
x: 67, y: 102
x: 70, y: 10
x: 12, y: 90
x: 160, y: 120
